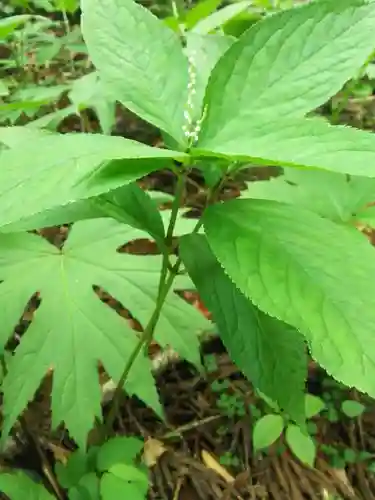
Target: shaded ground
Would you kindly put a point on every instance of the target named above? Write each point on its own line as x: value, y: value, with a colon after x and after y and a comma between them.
x: 205, y: 452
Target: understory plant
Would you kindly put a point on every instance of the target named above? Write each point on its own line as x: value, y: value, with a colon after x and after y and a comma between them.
x: 102, y: 473
x: 270, y: 427
x: 283, y: 269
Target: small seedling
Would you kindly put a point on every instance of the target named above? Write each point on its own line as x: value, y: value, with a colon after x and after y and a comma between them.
x: 340, y: 458
x: 313, y: 405
x: 332, y: 414
x: 231, y: 405
x: 220, y: 386
x: 269, y: 428
x: 102, y: 473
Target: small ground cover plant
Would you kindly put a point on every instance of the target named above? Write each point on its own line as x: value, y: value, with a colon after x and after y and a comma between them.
x: 102, y: 473
x: 270, y: 427
x: 274, y: 269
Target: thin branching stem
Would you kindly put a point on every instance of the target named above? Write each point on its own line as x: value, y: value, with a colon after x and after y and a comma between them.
x: 167, y: 277
x: 168, y: 247
x: 177, y: 15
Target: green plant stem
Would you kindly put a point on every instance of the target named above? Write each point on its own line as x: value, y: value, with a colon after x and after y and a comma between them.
x: 181, y: 181
x: 165, y: 285
x: 143, y: 342
x: 167, y: 277
x: 67, y: 34
x: 176, y: 10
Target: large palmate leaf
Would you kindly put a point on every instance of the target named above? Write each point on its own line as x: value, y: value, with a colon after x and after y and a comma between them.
x: 307, y: 271
x: 59, y: 170
x: 296, y: 142
x: 270, y: 353
x: 335, y: 196
x: 289, y: 63
x: 72, y: 329
x: 140, y: 61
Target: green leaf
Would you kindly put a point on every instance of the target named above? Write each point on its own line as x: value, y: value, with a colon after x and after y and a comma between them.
x: 127, y: 204
x: 301, y: 444
x: 269, y: 402
x: 200, y: 11
x: 313, y: 405
x: 88, y: 91
x: 212, y: 171
x: 72, y: 329
x: 118, y: 449
x: 352, y: 409
x: 334, y: 196
x: 51, y: 121
x: 113, y: 487
x: 332, y: 414
x: 19, y: 486
x: 88, y: 488
x: 130, y: 473
x: 12, y: 136
x: 140, y: 61
x: 9, y: 24
x: 4, y: 90
x: 267, y: 430
x: 131, y: 205
x: 366, y: 216
x: 270, y: 353
x: 350, y: 456
x: 40, y: 94
x: 242, y: 22
x: 67, y: 5
x: 370, y: 71
x: 58, y: 170
x: 220, y: 17
x: 288, y: 64
x: 77, y: 211
x: 70, y: 474
x: 299, y: 267
x: 295, y: 142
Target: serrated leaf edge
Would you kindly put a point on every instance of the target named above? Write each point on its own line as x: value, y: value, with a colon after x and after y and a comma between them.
x: 259, y: 306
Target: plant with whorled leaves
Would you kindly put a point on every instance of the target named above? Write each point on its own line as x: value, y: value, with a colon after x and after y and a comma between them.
x: 279, y: 269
